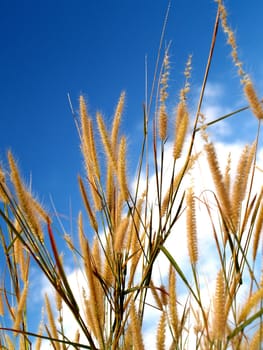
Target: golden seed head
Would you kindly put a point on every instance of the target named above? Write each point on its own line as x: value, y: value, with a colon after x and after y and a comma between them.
x: 20, y: 308
x: 136, y: 328
x: 52, y: 323
x: 253, y: 99
x: 2, y: 311
x: 181, y: 125
x: 106, y: 141
x: 191, y: 226
x: 172, y: 306
x: 257, y: 232
x: 162, y: 122
x: 222, y: 194
x: 164, y: 79
x: 219, y: 324
x: 28, y: 204
x: 116, y: 121
x: 90, y: 212
x: 252, y: 301
x: 161, y: 330
x: 231, y: 40
x: 121, y: 174
x: 156, y: 296
x: 121, y: 235
x: 3, y: 188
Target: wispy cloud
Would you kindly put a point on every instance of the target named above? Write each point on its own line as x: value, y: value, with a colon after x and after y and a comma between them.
x: 207, y: 225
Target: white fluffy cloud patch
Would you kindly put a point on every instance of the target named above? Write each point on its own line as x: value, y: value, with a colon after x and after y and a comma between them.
x: 207, y: 227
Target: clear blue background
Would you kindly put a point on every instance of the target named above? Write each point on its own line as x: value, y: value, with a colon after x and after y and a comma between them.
x: 98, y: 48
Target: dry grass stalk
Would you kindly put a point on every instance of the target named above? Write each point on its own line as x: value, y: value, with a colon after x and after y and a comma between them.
x: 118, y: 269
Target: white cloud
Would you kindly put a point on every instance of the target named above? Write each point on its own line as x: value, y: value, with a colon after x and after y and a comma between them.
x: 208, y: 264
x: 214, y: 90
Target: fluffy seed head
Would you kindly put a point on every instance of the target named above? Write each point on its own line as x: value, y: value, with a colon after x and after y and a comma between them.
x: 181, y: 125
x: 136, y: 329
x: 219, y: 324
x: 191, y: 226
x: 252, y: 98
x: 162, y: 122
x: 122, y: 169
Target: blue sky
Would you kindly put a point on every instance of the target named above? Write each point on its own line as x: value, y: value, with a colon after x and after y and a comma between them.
x: 51, y: 48
x: 97, y: 48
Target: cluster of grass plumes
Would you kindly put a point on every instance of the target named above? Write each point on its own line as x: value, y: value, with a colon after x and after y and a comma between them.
x: 132, y: 228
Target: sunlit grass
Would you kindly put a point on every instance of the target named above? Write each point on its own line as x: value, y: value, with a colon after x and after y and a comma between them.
x: 132, y: 227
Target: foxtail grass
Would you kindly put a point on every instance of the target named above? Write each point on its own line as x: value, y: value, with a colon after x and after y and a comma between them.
x: 131, y: 230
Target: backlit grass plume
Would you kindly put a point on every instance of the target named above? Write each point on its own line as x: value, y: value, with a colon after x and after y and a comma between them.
x: 164, y: 254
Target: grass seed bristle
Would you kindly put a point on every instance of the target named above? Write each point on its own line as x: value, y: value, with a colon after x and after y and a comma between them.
x: 253, y: 100
x: 181, y: 126
x: 160, y: 338
x: 191, y: 226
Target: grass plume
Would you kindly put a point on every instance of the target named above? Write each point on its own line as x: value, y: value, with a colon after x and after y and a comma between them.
x: 129, y: 261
